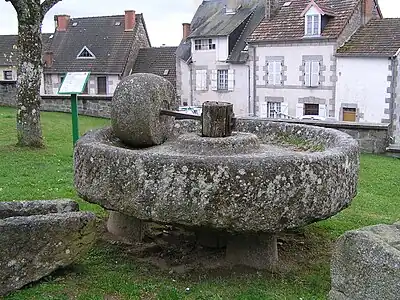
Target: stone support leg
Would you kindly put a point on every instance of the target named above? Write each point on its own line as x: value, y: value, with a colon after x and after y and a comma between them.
x: 257, y: 251
x: 126, y: 227
x: 211, y: 238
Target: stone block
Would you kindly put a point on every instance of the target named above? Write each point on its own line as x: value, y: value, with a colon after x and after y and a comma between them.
x: 38, y: 237
x: 366, y: 264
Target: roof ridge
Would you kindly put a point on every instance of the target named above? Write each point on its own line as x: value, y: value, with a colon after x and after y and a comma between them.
x: 108, y: 16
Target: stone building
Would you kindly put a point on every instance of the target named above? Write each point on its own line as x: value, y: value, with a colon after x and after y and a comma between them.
x: 105, y: 46
x: 212, y: 59
x: 368, y: 82
x: 293, y: 63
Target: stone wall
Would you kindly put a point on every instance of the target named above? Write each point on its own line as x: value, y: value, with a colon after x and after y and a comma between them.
x: 88, y: 105
x: 8, y: 93
x: 372, y: 137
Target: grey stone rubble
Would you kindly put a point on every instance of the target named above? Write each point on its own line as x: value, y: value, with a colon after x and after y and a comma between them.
x: 366, y: 264
x: 38, y: 237
x: 251, y: 182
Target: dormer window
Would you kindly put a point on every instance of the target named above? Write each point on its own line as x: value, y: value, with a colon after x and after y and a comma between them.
x: 85, y: 53
x: 316, y: 17
x: 204, y: 44
x: 313, y: 25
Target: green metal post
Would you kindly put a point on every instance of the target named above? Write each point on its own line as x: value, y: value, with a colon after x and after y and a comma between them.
x: 74, y: 111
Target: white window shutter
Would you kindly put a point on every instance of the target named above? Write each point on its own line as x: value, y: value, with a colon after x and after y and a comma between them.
x: 299, y: 110
x: 315, y: 73
x: 214, y: 80
x: 307, y: 73
x: 284, y: 110
x: 270, y: 67
x: 231, y: 80
x: 198, y: 80
x: 264, y: 110
x: 322, y: 110
x: 278, y: 74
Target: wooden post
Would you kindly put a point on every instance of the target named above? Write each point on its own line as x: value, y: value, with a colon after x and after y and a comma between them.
x: 217, y: 119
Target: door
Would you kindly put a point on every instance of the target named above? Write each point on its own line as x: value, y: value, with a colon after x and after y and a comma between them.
x: 349, y: 114
x: 102, y: 85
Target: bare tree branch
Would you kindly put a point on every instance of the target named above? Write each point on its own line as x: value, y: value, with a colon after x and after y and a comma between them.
x: 46, y: 5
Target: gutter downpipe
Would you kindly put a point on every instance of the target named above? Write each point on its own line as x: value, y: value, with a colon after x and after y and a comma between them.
x: 254, y: 81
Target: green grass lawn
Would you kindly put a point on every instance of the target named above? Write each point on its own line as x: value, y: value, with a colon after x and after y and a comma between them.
x: 110, y: 272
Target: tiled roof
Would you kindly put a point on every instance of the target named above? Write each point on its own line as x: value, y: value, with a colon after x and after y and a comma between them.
x: 110, y: 44
x: 379, y: 37
x: 157, y: 61
x: 287, y: 23
x: 8, y: 48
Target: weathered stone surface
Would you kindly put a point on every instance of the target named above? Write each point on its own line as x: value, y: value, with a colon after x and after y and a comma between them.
x: 32, y: 247
x: 39, y: 207
x: 135, y: 110
x: 366, y: 264
x: 268, y: 189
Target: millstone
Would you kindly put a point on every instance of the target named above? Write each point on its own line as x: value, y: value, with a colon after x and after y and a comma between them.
x: 135, y: 110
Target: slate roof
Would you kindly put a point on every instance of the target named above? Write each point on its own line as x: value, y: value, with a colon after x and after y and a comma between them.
x: 379, y: 38
x: 210, y: 20
x: 109, y: 43
x: 287, y: 23
x: 156, y: 61
x: 8, y: 48
x: 220, y: 23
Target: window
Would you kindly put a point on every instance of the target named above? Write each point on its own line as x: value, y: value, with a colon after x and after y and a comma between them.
x: 222, y: 80
x: 201, y: 80
x: 274, y: 72
x: 85, y: 53
x: 86, y: 89
x: 102, y: 85
x: 7, y: 75
x: 311, y: 73
x: 349, y: 114
x: 274, y: 109
x: 204, y: 44
x: 313, y: 25
x: 311, y: 109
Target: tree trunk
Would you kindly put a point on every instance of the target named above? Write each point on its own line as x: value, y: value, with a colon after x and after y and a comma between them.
x: 30, y: 71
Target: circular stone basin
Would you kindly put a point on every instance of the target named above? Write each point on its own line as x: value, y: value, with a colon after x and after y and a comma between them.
x: 268, y: 177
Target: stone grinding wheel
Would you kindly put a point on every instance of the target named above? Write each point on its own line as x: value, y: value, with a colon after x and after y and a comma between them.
x: 135, y: 110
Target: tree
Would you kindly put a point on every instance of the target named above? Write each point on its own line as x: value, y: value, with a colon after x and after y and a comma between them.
x: 30, y: 69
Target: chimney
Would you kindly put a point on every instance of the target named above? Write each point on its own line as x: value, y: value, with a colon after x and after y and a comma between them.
x: 231, y: 6
x: 48, y: 59
x: 62, y: 22
x: 270, y: 8
x: 186, y: 30
x: 369, y: 6
x: 130, y: 20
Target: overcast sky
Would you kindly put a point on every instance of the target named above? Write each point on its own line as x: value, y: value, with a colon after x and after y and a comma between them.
x: 163, y: 18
